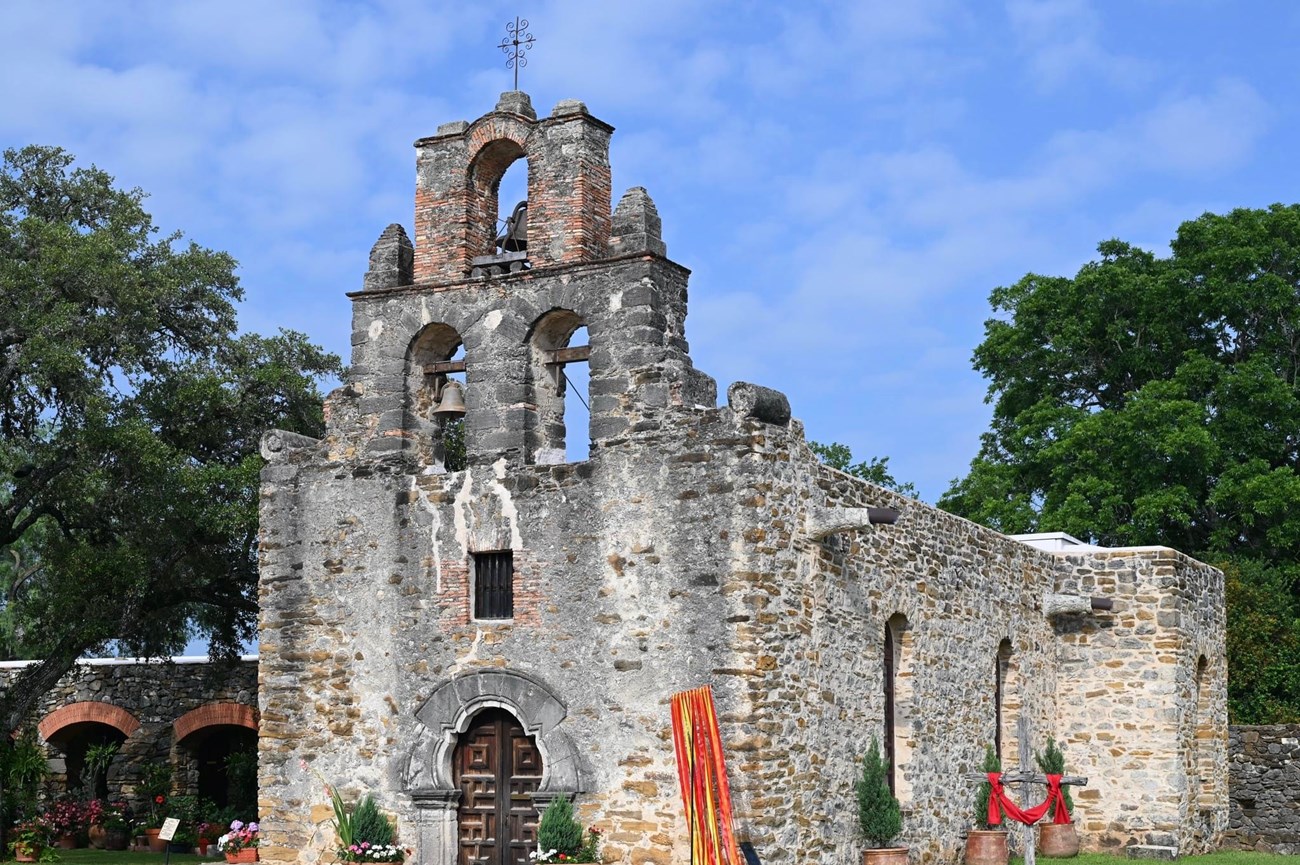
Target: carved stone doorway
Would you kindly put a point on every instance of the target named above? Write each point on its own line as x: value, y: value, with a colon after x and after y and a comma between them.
x: 497, y: 768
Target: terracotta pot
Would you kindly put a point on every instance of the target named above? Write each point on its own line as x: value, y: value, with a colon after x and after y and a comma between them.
x: 248, y: 854
x: 885, y: 856
x: 27, y: 852
x: 66, y: 842
x: 986, y: 847
x: 1058, y: 840
x: 95, y: 835
x: 156, y: 844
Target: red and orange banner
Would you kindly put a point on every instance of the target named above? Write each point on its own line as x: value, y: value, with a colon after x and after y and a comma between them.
x: 702, y: 775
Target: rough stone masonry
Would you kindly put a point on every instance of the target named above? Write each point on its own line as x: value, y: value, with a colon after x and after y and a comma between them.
x: 469, y: 642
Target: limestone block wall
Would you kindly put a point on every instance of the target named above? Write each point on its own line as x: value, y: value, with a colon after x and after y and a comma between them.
x: 1264, y: 788
x: 1143, y: 711
x: 145, y: 699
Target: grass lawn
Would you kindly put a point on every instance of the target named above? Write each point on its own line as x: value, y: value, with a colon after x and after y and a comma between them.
x: 86, y: 856
x: 1232, y: 857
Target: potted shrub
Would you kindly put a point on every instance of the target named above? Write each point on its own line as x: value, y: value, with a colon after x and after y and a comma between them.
x: 878, y: 813
x: 1056, y: 840
x: 365, y: 834
x: 155, y: 784
x: 67, y: 821
x: 110, y: 826
x: 986, y: 845
x: 560, y: 837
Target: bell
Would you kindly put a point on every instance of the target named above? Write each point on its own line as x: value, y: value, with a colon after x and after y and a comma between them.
x: 453, y: 401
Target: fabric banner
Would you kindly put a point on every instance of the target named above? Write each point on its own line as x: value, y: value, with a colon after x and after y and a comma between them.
x: 999, y: 802
x: 702, y: 776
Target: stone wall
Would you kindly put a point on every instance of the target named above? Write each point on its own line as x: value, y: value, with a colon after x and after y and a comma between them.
x: 143, y: 700
x: 1264, y: 789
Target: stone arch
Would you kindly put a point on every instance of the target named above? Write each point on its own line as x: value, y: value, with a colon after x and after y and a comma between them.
x: 544, y: 428
x: 486, y: 168
x: 88, y: 712
x: 432, y: 345
x: 214, y: 715
x: 452, y: 704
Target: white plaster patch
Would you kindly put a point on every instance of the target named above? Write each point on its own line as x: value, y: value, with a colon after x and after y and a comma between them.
x: 425, y: 315
x: 616, y: 300
x: 469, y: 657
x: 376, y: 328
x: 508, y: 509
x: 461, y: 514
x: 435, y: 523
x: 492, y: 320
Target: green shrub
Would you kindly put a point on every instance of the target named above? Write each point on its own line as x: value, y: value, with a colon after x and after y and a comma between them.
x: 559, y: 831
x: 991, y: 764
x: 370, y: 824
x: 1051, y: 761
x: 878, y: 813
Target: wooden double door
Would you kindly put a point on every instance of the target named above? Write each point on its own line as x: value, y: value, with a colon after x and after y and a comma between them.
x: 497, y: 767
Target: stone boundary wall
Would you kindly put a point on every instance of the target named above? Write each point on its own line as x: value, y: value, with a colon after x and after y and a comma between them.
x: 1264, y: 788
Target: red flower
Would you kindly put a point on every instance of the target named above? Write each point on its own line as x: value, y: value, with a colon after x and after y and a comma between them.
x: 160, y: 799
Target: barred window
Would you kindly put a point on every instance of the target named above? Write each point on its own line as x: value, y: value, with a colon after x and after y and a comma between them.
x: 494, y: 595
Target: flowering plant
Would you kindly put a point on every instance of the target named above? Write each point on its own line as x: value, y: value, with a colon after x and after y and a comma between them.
x: 31, y: 833
x: 110, y: 815
x: 365, y: 834
x: 588, y: 852
x: 240, y: 836
x: 367, y: 852
x: 67, y: 817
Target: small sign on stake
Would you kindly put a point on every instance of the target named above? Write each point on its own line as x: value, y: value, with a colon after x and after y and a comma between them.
x: 169, y: 827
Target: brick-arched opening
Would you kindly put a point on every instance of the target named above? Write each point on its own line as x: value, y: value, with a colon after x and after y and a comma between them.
x: 88, y: 712
x: 216, y: 753
x: 214, y: 714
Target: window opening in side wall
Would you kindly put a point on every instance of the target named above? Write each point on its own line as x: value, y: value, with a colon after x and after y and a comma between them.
x: 494, y: 589
x: 558, y: 397
x: 1007, y: 702
x: 577, y: 404
x: 898, y: 705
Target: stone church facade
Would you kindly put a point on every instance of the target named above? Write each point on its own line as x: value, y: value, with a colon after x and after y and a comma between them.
x: 469, y: 642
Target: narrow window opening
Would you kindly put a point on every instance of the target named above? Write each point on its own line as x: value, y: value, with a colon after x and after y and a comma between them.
x: 559, y: 391
x: 577, y: 403
x: 1203, y: 739
x: 898, y: 705
x: 494, y: 589
x: 1006, y: 699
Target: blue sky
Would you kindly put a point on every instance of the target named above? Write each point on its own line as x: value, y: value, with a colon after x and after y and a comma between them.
x: 847, y: 181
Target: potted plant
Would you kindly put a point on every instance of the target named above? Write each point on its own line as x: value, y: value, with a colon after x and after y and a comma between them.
x: 1056, y: 840
x: 364, y: 833
x: 67, y: 821
x: 29, y: 841
x: 560, y: 837
x: 986, y: 845
x: 878, y: 813
x: 155, y: 784
x: 110, y: 825
x: 241, y: 842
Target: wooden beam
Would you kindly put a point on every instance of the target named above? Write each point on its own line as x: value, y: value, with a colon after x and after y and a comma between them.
x: 1017, y: 777
x: 444, y: 367
x: 569, y: 355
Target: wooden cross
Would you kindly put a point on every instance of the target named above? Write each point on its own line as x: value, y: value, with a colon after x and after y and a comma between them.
x: 1027, y: 779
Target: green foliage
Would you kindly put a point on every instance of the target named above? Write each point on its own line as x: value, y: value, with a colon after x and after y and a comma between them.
x: 558, y: 830
x: 1051, y: 761
x: 241, y: 780
x: 878, y: 812
x: 453, y: 443
x: 370, y: 824
x: 1155, y: 401
x: 874, y: 470
x: 130, y: 416
x: 992, y: 763
x: 23, y: 770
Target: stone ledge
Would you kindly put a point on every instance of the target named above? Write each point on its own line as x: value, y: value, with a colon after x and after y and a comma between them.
x: 1151, y: 851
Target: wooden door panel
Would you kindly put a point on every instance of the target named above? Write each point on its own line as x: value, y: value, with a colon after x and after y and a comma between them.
x: 497, y: 767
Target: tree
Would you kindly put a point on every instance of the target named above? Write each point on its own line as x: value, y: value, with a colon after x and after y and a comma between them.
x: 130, y: 416
x: 879, y: 816
x: 1154, y: 401
x: 875, y: 470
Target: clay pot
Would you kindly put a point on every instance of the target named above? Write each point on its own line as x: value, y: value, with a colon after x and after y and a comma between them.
x: 986, y: 847
x: 248, y: 854
x: 95, y: 835
x: 27, y: 852
x: 156, y: 844
x: 885, y: 856
x: 66, y: 842
x: 1058, y: 840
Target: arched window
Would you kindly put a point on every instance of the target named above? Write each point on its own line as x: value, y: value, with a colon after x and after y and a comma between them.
x: 1203, y: 738
x: 1006, y: 700
x: 435, y: 372
x: 554, y: 376
x: 898, y: 704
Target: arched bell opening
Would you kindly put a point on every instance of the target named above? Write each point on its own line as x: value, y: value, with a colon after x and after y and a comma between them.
x: 556, y: 357
x: 489, y: 211
x: 221, y: 764
x: 435, y: 396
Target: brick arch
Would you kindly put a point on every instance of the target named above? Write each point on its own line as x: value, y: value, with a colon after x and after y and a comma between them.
x: 214, y: 715
x: 88, y: 712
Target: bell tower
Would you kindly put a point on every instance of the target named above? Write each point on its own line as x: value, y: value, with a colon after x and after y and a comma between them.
x: 510, y: 300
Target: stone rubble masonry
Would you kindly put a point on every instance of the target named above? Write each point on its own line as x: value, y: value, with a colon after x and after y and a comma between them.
x: 156, y: 704
x: 681, y: 553
x: 1264, y: 787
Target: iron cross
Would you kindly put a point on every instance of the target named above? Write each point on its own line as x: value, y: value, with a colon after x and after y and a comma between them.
x: 515, y: 44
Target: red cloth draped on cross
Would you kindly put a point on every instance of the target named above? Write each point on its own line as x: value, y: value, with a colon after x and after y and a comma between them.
x: 999, y: 802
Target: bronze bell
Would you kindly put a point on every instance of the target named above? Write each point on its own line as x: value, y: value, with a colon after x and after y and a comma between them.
x: 453, y: 400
